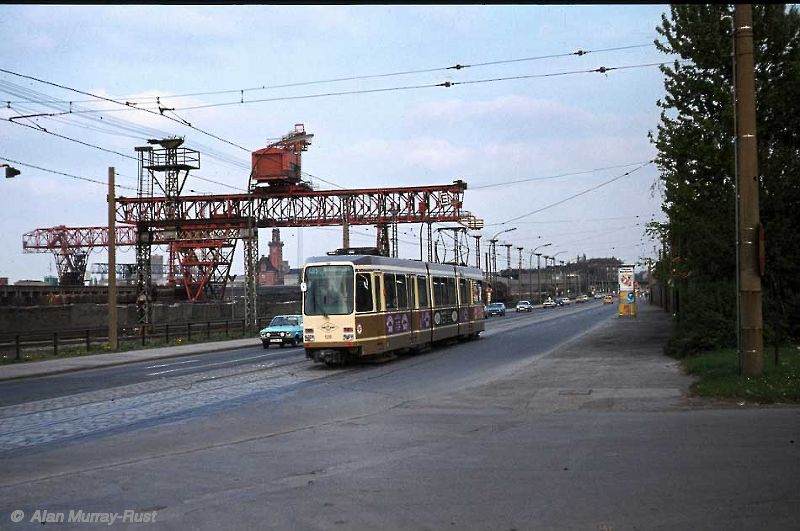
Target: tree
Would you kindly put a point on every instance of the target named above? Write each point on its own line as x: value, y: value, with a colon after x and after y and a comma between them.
x: 696, y: 156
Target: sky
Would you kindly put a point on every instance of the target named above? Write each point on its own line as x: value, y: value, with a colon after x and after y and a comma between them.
x: 523, y: 146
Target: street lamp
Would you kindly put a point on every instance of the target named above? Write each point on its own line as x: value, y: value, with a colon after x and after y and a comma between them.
x: 493, y: 254
x: 10, y: 171
x: 546, y: 266
x: 519, y: 272
x: 538, y: 270
x: 554, y: 268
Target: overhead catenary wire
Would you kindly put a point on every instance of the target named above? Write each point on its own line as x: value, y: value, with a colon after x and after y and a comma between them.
x: 458, y: 66
x: 78, y: 177
x: 573, y: 196
x: 446, y: 84
x: 161, y: 113
x: 549, y: 177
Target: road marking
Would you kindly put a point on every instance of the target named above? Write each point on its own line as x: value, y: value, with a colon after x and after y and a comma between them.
x: 215, y: 364
x: 168, y: 364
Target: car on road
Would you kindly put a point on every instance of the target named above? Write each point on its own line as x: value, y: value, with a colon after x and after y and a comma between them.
x: 283, y: 330
x: 565, y: 301
x: 524, y: 306
x: 549, y: 303
x: 598, y: 296
x: 581, y: 299
x: 608, y: 299
x: 496, y: 308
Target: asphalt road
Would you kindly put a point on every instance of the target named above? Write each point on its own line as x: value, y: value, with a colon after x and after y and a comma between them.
x: 570, y: 419
x: 40, y: 388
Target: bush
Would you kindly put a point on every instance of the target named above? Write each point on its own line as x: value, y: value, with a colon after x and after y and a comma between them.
x: 707, y: 319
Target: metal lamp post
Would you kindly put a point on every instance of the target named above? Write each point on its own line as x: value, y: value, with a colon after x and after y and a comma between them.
x: 538, y: 273
x: 546, y: 261
x: 493, y: 254
x: 554, y: 267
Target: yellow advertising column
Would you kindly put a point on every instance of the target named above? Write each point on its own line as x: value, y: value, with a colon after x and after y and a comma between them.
x: 627, y: 292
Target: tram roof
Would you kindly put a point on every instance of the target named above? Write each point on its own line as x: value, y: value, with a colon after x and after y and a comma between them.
x: 385, y: 261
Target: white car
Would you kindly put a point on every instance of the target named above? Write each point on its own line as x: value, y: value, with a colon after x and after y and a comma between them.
x: 549, y: 303
x: 565, y: 301
x: 524, y: 306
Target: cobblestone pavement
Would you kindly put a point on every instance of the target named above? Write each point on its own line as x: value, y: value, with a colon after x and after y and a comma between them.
x: 85, y: 414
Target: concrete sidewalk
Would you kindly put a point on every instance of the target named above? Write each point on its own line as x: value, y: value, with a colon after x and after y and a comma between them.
x: 95, y: 361
x: 619, y: 365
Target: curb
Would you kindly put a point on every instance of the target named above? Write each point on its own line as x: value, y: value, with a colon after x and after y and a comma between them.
x: 54, y: 371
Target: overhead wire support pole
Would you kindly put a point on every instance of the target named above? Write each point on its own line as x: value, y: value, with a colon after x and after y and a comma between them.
x: 112, y: 264
x: 750, y: 235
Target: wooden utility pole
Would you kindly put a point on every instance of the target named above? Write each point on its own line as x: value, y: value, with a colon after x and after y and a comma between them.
x: 112, y: 262
x: 749, y: 230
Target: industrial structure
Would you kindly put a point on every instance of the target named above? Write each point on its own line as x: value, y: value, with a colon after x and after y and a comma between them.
x: 201, y: 232
x: 71, y: 245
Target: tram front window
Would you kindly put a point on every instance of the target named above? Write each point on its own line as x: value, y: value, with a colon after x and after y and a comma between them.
x: 329, y: 290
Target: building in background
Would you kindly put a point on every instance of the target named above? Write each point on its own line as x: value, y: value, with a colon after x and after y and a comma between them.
x: 272, y: 269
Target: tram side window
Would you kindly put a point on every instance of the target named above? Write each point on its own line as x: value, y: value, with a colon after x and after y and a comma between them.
x: 451, y: 291
x: 402, y: 292
x: 439, y: 291
x: 463, y: 292
x: 390, y: 290
x: 364, y: 292
x: 422, y: 292
x: 477, y: 289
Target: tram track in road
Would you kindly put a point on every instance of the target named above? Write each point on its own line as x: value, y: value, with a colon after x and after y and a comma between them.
x: 181, y: 387
x: 51, y: 420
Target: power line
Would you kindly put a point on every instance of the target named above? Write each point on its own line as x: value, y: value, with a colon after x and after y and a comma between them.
x: 65, y: 174
x: 131, y: 99
x: 446, y: 84
x: 160, y: 113
x: 568, y: 174
x: 43, y: 130
x: 584, y: 192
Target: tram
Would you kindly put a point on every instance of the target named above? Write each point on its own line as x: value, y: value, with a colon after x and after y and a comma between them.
x: 362, y: 306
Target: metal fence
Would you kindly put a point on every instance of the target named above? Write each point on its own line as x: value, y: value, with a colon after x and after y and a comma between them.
x: 13, y: 345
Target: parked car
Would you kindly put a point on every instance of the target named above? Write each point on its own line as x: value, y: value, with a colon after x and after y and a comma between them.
x: 549, y: 303
x: 524, y: 306
x: 496, y: 308
x: 608, y: 299
x: 283, y: 330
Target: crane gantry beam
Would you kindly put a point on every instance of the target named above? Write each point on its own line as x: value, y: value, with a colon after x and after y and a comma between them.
x: 423, y: 204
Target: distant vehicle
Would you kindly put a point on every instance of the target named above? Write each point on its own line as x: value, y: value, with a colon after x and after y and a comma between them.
x: 549, y: 303
x: 496, y: 308
x: 598, y: 296
x: 283, y: 330
x: 565, y: 301
x: 581, y: 298
x: 524, y: 306
x: 608, y: 299
x: 559, y: 301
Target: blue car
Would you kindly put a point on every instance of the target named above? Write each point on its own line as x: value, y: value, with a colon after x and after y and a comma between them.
x: 496, y: 308
x: 283, y: 330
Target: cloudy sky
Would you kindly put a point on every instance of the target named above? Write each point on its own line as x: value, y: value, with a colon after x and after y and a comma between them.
x: 522, y: 145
